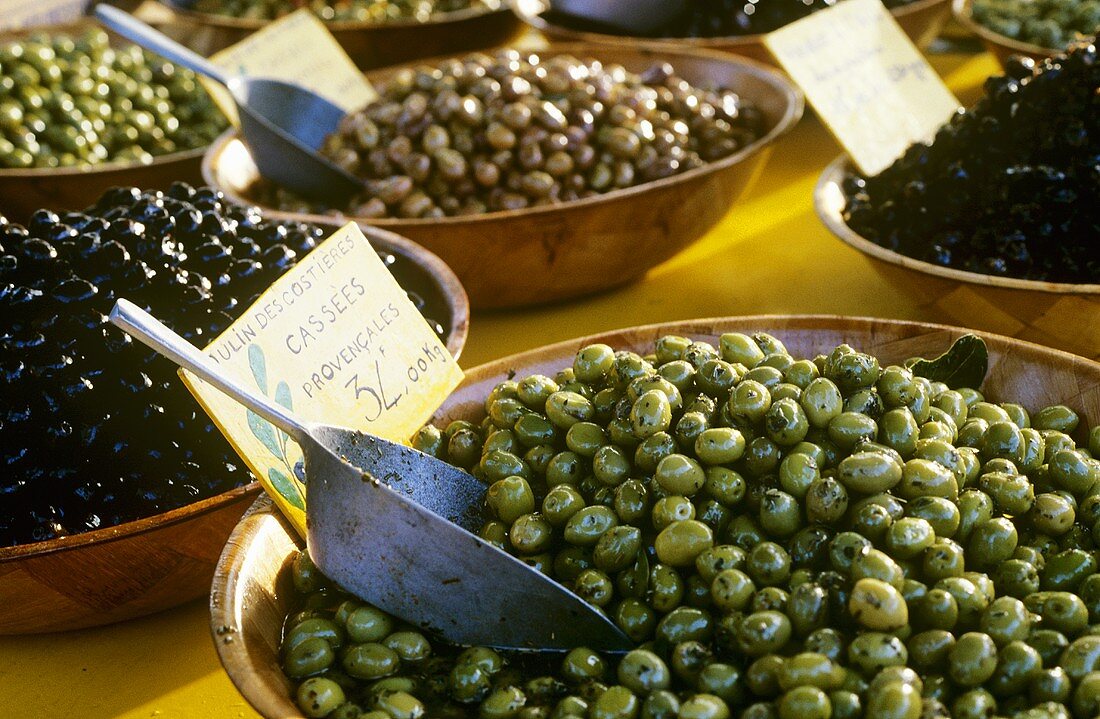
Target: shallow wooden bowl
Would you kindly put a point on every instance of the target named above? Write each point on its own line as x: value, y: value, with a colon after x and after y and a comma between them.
x: 1000, y: 46
x: 544, y: 254
x: 369, y: 45
x: 1062, y: 315
x: 921, y: 20
x: 158, y: 562
x: 74, y: 188
x: 252, y: 590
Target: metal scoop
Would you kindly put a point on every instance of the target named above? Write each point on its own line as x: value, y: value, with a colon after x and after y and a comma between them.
x: 283, y: 124
x: 394, y: 526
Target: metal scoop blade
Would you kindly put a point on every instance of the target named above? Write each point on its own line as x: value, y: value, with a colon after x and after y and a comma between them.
x: 282, y: 123
x: 394, y: 526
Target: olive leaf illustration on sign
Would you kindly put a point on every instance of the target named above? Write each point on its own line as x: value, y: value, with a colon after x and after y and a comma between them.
x: 274, y: 439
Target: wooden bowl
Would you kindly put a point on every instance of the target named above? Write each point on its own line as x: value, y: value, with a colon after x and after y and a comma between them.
x: 1000, y: 46
x: 369, y: 45
x: 74, y: 188
x: 544, y: 254
x: 252, y: 590
x: 150, y: 564
x: 921, y: 21
x: 1062, y: 315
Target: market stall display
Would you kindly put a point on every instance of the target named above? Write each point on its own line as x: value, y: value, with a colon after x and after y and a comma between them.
x: 405, y: 31
x: 722, y: 26
x: 610, y: 149
x: 792, y: 517
x: 1002, y: 202
x: 784, y: 546
x: 77, y: 474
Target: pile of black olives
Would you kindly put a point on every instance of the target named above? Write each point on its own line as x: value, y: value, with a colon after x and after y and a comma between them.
x: 1010, y: 188
x: 510, y: 130
x: 95, y: 430
x: 369, y: 11
x: 727, y: 18
x: 784, y: 538
x: 68, y: 101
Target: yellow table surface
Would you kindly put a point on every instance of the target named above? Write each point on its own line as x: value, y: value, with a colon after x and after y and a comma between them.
x: 769, y: 255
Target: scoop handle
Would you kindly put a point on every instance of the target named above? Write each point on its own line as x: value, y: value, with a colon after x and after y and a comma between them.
x: 142, y: 326
x: 150, y: 38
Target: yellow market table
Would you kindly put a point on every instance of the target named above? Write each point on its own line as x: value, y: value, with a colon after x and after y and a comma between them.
x: 769, y: 255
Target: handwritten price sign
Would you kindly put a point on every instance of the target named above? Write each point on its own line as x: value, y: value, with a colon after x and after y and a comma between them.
x: 337, y: 341
x: 871, y: 86
x: 297, y: 48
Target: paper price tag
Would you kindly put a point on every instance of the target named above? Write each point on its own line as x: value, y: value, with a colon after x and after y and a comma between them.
x: 871, y: 86
x: 297, y: 48
x: 337, y: 341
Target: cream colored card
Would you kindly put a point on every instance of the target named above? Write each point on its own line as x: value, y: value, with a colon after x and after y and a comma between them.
x: 867, y: 81
x: 297, y: 48
x: 337, y: 341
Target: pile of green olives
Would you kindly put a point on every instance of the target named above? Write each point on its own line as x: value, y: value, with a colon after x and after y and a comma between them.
x: 783, y: 538
x: 1051, y: 24
x: 369, y: 11
x: 75, y: 100
x: 511, y: 130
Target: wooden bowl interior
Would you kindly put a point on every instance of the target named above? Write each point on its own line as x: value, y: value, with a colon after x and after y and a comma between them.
x: 1001, y: 46
x: 555, y: 252
x: 157, y: 562
x: 921, y: 21
x: 368, y: 44
x: 251, y: 596
x: 1058, y: 314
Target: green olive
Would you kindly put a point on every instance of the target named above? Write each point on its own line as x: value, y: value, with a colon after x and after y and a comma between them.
x: 869, y: 472
x: 871, y: 652
x: 510, y: 498
x: 925, y: 478
x: 878, y: 606
x: 319, y: 697
x: 681, y: 542
x: 763, y: 633
x: 371, y: 660
x: 973, y: 659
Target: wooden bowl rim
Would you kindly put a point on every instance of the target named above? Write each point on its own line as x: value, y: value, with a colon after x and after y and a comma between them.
x: 794, y: 107
x: 127, y: 529
x: 536, y: 21
x: 252, y: 24
x: 165, y: 160
x: 458, y: 308
x: 963, y: 10
x: 225, y: 620
x: 830, y: 215
x: 236, y: 661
